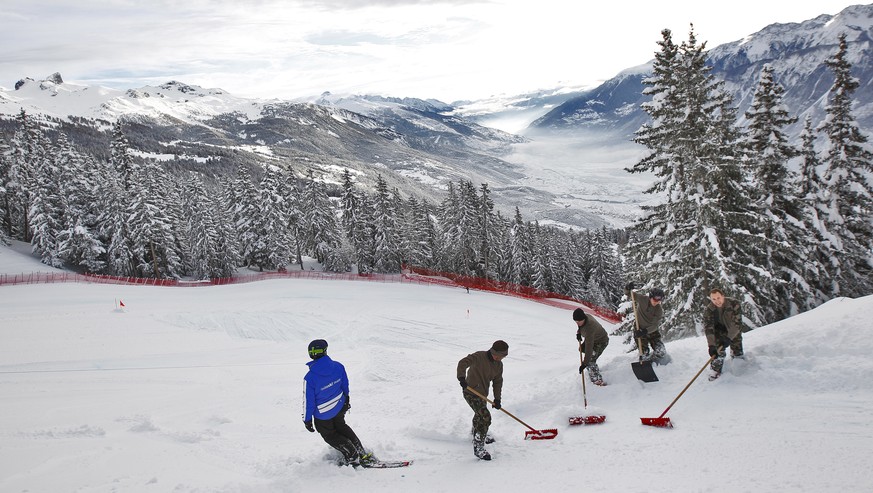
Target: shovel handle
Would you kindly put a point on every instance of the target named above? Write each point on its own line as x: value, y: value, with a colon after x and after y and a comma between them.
x: 475, y: 392
x: 582, y: 360
x: 636, y: 322
x: 686, y: 387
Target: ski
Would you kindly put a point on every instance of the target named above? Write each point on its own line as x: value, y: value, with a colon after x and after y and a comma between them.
x: 387, y: 464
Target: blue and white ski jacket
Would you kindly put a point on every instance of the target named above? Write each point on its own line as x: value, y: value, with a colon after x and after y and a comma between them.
x: 326, y: 386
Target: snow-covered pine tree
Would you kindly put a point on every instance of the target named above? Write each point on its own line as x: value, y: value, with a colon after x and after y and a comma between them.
x: 775, y: 198
x: 449, y: 231
x: 553, y: 256
x: 269, y: 224
x: 582, y: 261
x: 224, y: 237
x: 425, y: 232
x: 403, y: 220
x: 487, y: 232
x: 120, y: 157
x: 318, y: 222
x: 201, y: 215
x: 244, y: 200
x: 386, y: 237
x: 152, y: 222
x: 521, y: 251
x: 604, y: 271
x: 812, y: 193
x: 78, y: 242
x: 28, y: 151
x: 46, y: 210
x: 364, y: 244
x: 501, y: 259
x: 540, y: 278
x: 849, y: 165
x: 699, y: 236
x: 113, y: 226
x: 469, y: 228
x: 349, y: 206
x: 566, y: 275
x: 5, y: 219
x: 408, y: 239
x: 289, y: 188
x: 737, y: 229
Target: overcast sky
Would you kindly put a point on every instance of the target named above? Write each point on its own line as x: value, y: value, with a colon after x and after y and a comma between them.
x: 448, y: 50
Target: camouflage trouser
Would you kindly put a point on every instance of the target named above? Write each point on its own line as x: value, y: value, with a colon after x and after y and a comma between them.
x: 736, y: 346
x: 658, y: 350
x: 593, y: 369
x: 481, y: 418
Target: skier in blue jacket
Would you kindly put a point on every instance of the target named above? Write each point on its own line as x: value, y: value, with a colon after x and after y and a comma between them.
x: 325, y: 403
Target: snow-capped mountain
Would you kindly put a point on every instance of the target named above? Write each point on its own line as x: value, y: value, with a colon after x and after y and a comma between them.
x: 418, y: 146
x: 174, y: 100
x: 796, y: 51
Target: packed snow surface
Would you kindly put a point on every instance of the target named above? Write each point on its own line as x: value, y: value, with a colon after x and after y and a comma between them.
x: 199, y: 389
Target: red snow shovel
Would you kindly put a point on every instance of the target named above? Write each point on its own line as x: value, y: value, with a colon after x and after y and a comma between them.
x: 642, y: 369
x: 591, y: 419
x: 663, y: 422
x: 528, y: 435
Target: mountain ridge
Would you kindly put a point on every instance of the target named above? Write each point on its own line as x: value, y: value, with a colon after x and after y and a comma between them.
x: 796, y: 51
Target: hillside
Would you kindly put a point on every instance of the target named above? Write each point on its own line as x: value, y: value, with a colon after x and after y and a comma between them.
x: 198, y: 389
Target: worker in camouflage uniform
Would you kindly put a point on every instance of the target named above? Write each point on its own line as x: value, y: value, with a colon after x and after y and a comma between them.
x: 723, y: 326
x: 649, y: 314
x: 593, y: 339
x: 479, y: 371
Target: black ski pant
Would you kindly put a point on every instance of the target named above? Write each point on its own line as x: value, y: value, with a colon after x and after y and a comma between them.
x: 339, y: 435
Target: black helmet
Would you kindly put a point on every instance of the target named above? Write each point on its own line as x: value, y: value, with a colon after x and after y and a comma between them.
x: 656, y: 294
x: 579, y: 315
x: 317, y: 348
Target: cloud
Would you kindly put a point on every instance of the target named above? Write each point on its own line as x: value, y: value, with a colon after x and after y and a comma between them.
x: 451, y: 49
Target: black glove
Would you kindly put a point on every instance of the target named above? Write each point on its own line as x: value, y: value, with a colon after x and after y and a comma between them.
x: 579, y: 336
x: 348, y: 402
x: 496, y: 404
x: 713, y: 351
x: 308, y: 425
x: 640, y: 334
x: 629, y: 286
x: 581, y: 367
x: 463, y: 382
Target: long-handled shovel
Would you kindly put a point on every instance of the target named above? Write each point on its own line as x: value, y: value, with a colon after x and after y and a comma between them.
x: 642, y: 369
x: 663, y: 422
x: 590, y: 419
x: 533, y: 434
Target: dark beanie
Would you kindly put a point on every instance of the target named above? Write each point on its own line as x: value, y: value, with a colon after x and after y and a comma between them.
x: 500, y: 348
x: 578, y: 315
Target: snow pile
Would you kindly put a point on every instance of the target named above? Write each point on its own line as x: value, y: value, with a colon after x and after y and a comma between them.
x: 199, y: 389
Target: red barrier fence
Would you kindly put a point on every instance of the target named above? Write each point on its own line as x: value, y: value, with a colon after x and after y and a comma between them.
x: 416, y: 275
x: 508, y: 288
